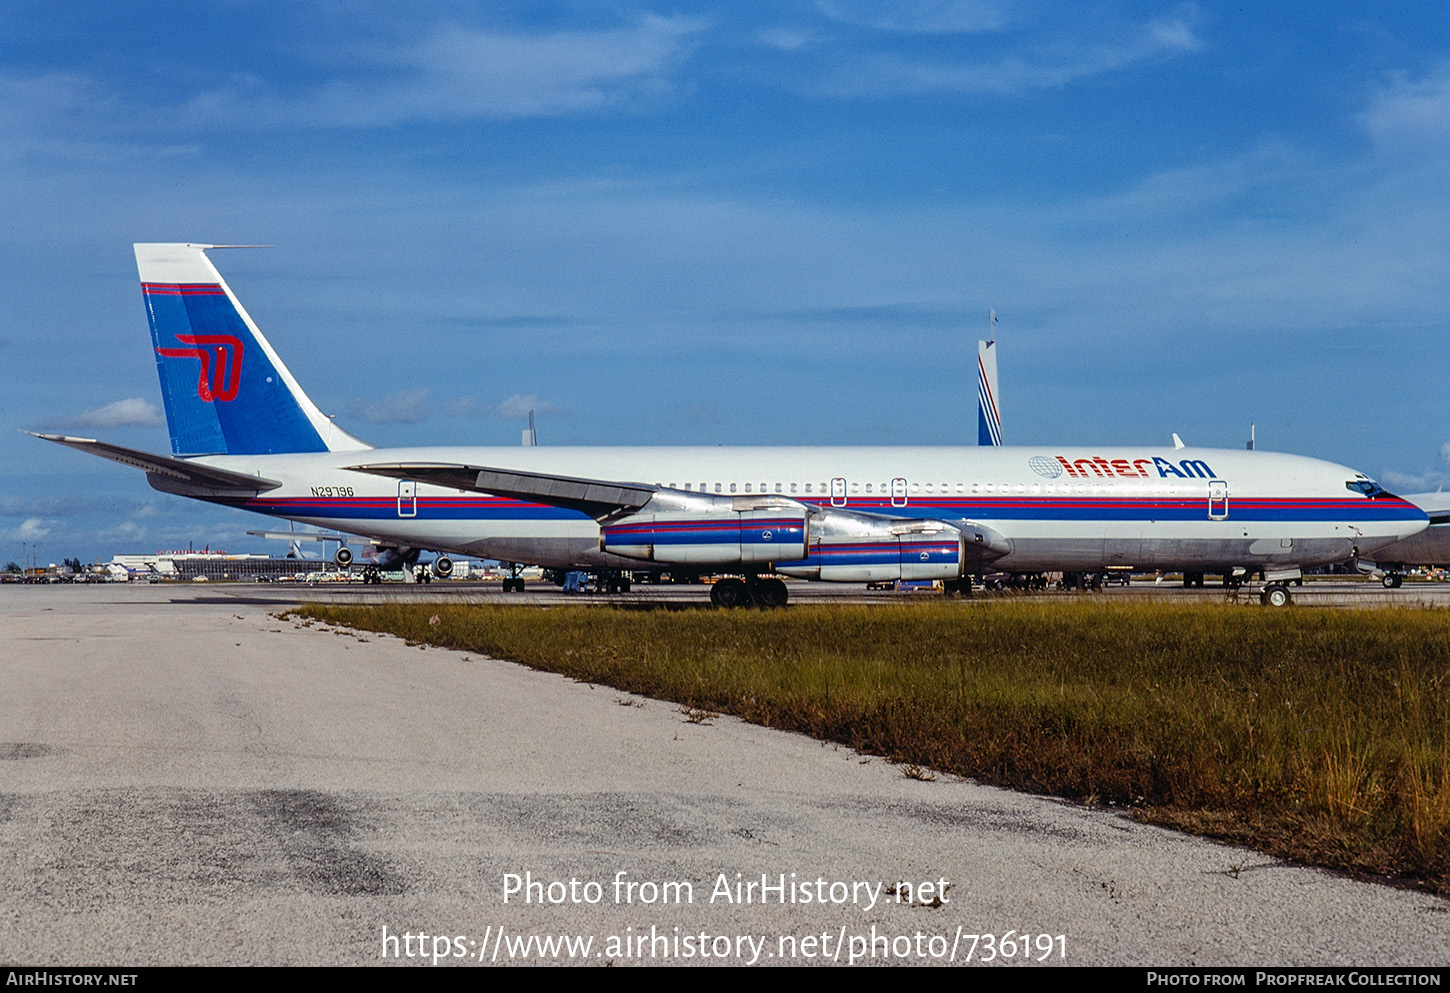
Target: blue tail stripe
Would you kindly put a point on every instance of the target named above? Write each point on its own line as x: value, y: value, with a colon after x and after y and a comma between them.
x: 248, y: 409
x: 195, y: 429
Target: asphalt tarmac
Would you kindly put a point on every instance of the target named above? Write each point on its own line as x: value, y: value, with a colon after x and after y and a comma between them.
x: 188, y: 778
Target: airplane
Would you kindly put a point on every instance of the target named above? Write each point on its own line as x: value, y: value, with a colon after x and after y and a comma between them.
x: 244, y: 434
x: 373, y: 559
x: 1430, y: 547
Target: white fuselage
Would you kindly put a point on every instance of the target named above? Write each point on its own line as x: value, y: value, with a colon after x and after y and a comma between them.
x: 1058, y: 509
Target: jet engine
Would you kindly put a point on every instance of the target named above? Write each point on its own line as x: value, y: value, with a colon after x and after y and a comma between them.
x: 711, y: 535
x: 857, y: 548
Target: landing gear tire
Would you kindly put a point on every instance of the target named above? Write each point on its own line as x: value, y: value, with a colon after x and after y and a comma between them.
x: 958, y: 587
x: 1275, y: 595
x: 770, y: 593
x: 1392, y: 580
x: 513, y: 585
x: 730, y: 593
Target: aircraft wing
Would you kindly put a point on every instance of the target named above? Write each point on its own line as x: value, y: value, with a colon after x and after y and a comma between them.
x: 596, y: 497
x: 619, y: 505
x: 1437, y: 505
x: 189, y: 473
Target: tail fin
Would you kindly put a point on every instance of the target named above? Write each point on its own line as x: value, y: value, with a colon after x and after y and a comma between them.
x: 225, y: 390
x: 989, y: 418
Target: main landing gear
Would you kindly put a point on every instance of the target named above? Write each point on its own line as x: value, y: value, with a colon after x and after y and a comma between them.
x: 512, y: 583
x: 1275, y: 595
x: 735, y: 592
x: 1392, y: 580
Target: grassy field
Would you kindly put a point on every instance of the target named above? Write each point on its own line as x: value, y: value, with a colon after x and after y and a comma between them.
x: 1319, y: 735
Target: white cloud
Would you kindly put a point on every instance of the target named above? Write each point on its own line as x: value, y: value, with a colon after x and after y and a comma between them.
x: 32, y: 529
x: 131, y: 412
x: 462, y: 73
x: 519, y: 405
x: 786, y: 39
x: 1430, y: 479
x: 1045, y: 67
x: 1412, y: 112
x: 399, y: 407
x: 917, y: 16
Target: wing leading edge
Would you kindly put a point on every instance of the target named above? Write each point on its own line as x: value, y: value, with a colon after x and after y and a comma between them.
x: 596, y: 497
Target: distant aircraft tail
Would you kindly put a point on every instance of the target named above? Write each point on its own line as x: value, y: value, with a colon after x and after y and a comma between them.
x: 225, y: 390
x: 989, y: 417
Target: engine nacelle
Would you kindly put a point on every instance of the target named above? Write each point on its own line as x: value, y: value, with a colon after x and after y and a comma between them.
x: 442, y: 567
x: 343, y: 558
x: 850, y: 548
x: 710, y: 536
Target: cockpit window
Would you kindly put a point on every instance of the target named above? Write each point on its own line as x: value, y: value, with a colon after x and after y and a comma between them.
x: 1368, y: 487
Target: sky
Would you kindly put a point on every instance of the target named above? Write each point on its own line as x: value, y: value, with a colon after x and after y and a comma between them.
x: 746, y: 223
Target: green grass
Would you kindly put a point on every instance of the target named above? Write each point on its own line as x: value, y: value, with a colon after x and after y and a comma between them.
x: 1319, y: 735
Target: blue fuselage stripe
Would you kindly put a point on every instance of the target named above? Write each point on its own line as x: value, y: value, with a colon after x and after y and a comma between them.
x: 1146, y: 511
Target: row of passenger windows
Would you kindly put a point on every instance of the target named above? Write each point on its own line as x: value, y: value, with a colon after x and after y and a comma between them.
x: 1065, y: 489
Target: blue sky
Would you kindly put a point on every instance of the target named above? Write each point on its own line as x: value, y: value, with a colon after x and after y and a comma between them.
x: 746, y: 223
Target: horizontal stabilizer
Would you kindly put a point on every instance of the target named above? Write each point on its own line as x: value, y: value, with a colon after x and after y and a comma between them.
x: 189, y: 473
x: 595, y: 497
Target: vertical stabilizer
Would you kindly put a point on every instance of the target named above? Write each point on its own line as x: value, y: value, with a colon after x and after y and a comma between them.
x: 989, y: 417
x: 225, y: 390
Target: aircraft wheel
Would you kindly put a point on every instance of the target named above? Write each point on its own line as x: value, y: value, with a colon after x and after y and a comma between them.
x: 1392, y: 580
x: 1275, y: 596
x: 730, y: 593
x: 770, y: 593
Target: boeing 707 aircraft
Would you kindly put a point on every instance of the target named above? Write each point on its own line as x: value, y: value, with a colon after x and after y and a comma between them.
x: 244, y: 434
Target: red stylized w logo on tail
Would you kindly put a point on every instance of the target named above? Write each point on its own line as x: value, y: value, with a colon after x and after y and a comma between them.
x: 221, y: 363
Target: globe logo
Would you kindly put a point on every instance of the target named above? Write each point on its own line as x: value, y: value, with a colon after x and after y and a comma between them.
x: 1044, y: 466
